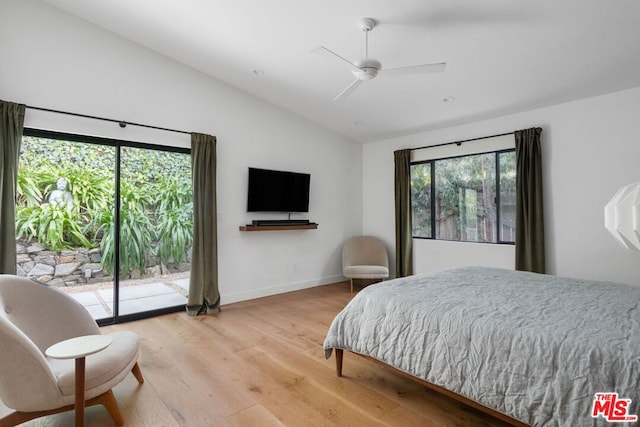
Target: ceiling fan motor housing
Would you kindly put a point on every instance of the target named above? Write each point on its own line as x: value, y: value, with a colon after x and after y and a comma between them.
x: 369, y: 68
x: 367, y: 24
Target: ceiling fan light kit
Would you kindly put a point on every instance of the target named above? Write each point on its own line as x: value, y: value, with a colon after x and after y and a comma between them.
x: 370, y: 68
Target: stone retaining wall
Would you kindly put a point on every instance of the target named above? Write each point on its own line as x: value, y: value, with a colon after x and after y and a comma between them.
x: 79, y: 266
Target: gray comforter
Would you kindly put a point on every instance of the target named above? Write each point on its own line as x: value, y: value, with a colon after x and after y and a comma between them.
x: 534, y: 347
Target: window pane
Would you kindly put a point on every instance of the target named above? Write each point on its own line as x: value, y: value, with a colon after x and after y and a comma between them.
x: 507, y: 196
x: 465, y: 198
x: 421, y: 199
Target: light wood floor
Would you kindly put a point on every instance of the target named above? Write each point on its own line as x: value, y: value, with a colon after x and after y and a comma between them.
x: 261, y: 363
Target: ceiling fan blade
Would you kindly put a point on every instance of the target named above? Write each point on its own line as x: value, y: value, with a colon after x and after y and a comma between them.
x: 348, y: 90
x: 326, y: 52
x: 415, y: 69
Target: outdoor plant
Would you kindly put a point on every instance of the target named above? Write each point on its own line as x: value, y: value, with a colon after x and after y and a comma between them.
x: 90, y: 189
x: 136, y: 231
x: 174, y: 215
x: 28, y: 188
x: 175, y: 236
x: 134, y: 244
x: 56, y: 225
x: 156, y: 211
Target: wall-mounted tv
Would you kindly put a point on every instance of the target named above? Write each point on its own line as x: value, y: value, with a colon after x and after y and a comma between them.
x: 277, y: 191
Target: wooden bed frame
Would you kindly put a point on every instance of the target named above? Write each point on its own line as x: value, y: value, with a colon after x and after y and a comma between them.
x: 492, y: 412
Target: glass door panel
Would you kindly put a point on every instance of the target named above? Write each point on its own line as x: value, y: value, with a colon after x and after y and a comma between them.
x: 156, y: 226
x: 64, y: 211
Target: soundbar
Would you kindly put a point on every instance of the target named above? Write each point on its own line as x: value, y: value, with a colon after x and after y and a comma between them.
x: 279, y: 221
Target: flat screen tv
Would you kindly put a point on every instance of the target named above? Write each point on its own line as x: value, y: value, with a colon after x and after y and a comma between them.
x: 277, y: 191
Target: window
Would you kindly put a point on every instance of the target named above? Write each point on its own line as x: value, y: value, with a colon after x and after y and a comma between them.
x: 468, y: 198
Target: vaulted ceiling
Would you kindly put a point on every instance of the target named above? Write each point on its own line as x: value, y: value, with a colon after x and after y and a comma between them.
x: 502, y: 56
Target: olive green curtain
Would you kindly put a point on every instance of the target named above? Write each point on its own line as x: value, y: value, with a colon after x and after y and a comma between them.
x: 404, y: 239
x: 204, y: 297
x: 529, y: 202
x: 11, y: 125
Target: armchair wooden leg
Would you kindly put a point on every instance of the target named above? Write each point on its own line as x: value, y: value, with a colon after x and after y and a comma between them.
x: 137, y: 373
x: 351, y: 285
x: 108, y: 400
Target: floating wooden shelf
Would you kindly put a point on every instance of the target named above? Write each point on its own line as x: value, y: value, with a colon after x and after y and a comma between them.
x: 249, y: 227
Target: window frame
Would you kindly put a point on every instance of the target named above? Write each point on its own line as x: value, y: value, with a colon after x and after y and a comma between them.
x: 432, y: 207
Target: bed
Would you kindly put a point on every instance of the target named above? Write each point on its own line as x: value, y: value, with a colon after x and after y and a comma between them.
x: 532, y: 349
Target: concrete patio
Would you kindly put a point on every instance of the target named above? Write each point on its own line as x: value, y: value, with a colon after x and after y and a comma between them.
x: 135, y: 296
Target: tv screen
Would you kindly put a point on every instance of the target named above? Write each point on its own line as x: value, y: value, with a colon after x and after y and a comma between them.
x: 277, y: 191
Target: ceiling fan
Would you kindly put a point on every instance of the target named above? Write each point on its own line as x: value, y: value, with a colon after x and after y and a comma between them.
x: 369, y: 68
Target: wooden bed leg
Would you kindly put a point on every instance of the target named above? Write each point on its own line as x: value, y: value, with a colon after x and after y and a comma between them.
x: 339, y: 354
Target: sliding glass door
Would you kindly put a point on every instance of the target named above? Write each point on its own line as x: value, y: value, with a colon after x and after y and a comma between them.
x: 109, y: 222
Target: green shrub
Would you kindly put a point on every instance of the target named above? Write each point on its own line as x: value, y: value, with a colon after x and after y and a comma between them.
x: 156, y: 211
x: 174, y: 216
x: 136, y: 231
x: 135, y: 242
x: 91, y: 190
x: 55, y: 225
x: 175, y: 233
x: 28, y: 191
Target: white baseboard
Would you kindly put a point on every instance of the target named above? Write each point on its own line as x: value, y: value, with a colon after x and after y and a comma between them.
x: 281, y: 289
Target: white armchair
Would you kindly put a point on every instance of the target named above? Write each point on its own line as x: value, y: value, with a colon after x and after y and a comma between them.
x: 365, y: 257
x: 34, y: 317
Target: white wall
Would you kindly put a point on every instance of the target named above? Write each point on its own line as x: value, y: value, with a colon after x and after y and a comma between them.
x: 590, y: 148
x: 50, y: 59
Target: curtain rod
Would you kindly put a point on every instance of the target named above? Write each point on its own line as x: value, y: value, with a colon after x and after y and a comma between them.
x: 121, y: 123
x: 461, y: 141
